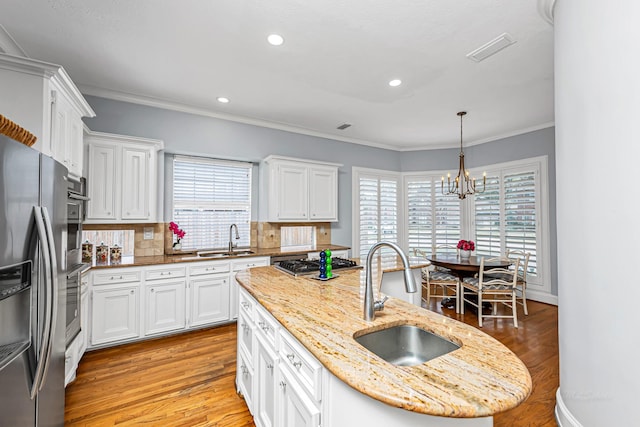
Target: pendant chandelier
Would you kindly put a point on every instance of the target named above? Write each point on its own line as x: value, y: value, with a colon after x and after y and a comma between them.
x: 463, y: 185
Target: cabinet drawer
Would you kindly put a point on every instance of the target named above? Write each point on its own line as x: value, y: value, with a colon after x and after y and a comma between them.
x: 305, y: 367
x: 266, y: 325
x: 245, y: 334
x: 249, y: 263
x: 246, y: 304
x: 110, y: 276
x: 209, y: 268
x: 164, y: 272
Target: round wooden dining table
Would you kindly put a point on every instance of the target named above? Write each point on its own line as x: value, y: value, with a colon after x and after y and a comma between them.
x: 464, y: 268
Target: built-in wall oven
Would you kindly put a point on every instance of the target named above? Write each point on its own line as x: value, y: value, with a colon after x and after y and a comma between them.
x: 76, y: 204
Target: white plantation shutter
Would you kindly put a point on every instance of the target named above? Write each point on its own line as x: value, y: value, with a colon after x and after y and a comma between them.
x: 208, y: 196
x: 432, y: 218
x: 521, y: 221
x: 419, y: 214
x: 487, y: 219
x: 447, y: 219
x: 378, y: 211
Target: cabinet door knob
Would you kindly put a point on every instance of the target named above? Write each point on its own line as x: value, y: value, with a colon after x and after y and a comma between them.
x: 270, y: 366
x: 132, y: 291
x: 283, y: 385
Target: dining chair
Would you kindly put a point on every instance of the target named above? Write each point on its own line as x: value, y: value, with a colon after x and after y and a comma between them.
x: 521, y: 295
x: 522, y: 276
x: 493, y: 285
x: 442, y: 278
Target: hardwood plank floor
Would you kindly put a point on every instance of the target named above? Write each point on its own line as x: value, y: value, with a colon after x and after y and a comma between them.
x: 188, y: 379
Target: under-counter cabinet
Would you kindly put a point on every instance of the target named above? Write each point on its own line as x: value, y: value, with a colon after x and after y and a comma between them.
x: 164, y: 300
x: 209, y: 290
x: 122, y: 177
x: 300, y: 190
x: 116, y: 313
x: 41, y: 98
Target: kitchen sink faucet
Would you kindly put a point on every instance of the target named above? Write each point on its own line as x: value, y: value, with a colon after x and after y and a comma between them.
x: 231, y: 245
x: 371, y: 306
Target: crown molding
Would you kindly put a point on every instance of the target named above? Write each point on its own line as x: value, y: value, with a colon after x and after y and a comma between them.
x: 546, y: 10
x: 185, y: 108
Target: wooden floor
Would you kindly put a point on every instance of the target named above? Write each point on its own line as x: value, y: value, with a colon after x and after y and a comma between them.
x: 188, y: 379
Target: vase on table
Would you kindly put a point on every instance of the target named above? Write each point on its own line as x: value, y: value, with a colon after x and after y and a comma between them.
x: 464, y: 254
x: 177, y: 246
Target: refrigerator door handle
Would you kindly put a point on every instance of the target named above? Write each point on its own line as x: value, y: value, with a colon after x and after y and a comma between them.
x: 53, y: 291
x: 46, y: 258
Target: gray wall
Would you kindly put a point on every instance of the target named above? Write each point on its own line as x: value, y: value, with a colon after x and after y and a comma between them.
x: 192, y: 134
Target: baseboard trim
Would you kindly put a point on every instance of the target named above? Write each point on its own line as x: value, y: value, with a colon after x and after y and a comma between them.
x: 564, y: 417
x: 541, y: 297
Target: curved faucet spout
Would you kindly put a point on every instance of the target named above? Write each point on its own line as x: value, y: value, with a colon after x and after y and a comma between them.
x: 371, y: 306
x: 231, y: 245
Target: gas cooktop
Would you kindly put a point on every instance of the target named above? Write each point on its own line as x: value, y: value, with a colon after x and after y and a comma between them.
x: 304, y: 267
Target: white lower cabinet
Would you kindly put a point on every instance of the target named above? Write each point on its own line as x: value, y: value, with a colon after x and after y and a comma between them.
x: 296, y: 408
x: 116, y: 313
x: 266, y: 381
x: 244, y: 378
x: 287, y: 380
x: 164, y: 306
x: 209, y: 300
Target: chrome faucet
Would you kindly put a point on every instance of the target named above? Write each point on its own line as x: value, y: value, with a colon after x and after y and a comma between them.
x: 371, y: 306
x: 231, y: 245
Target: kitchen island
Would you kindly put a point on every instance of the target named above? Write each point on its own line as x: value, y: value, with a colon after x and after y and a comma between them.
x: 464, y: 387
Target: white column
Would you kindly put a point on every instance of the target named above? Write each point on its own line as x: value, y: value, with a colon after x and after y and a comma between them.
x: 597, y: 110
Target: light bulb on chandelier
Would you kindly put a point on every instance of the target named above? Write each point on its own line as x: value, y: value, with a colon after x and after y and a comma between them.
x: 463, y: 185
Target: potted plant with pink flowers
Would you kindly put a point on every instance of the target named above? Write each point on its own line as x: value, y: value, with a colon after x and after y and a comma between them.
x: 465, y: 247
x: 179, y: 233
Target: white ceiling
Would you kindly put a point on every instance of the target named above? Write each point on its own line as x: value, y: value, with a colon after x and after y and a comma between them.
x: 334, y: 66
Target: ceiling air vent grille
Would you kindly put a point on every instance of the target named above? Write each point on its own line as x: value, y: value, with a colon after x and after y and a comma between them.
x: 344, y: 126
x: 491, y: 48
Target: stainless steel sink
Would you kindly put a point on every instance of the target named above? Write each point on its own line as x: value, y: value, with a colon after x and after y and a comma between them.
x: 224, y: 254
x: 405, y: 345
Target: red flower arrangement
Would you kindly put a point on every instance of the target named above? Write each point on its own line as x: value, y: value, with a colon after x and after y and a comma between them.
x: 176, y: 230
x: 466, y: 245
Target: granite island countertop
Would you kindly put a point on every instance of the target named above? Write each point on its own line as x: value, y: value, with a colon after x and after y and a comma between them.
x: 481, y: 378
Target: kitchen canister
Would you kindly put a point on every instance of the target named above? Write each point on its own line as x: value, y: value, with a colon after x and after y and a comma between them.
x: 87, y: 251
x: 115, y: 254
x: 102, y: 253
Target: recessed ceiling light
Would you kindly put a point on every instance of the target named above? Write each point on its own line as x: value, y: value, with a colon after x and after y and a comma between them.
x: 223, y: 100
x: 275, y: 39
x: 395, y: 82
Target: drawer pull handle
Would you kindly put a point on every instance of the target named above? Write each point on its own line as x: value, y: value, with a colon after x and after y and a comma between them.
x: 261, y: 324
x: 283, y: 385
x: 270, y: 366
x: 245, y: 326
x: 291, y: 357
x: 265, y: 328
x: 114, y: 278
x: 244, y: 369
x: 245, y: 304
x: 297, y: 364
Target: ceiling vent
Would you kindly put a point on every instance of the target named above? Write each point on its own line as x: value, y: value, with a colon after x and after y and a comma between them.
x: 491, y: 48
x: 344, y: 126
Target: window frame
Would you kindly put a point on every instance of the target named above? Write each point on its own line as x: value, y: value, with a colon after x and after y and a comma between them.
x: 220, y: 162
x: 357, y: 173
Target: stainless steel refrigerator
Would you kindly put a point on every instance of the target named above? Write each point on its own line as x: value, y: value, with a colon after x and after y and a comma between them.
x: 32, y: 286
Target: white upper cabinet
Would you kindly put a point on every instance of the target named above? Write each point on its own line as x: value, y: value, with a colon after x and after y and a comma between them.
x: 301, y: 190
x: 41, y: 98
x: 122, y: 178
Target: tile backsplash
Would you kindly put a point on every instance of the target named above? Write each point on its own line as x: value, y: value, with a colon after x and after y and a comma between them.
x: 264, y: 235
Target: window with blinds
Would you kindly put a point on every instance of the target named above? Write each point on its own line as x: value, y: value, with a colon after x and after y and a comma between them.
x: 208, y: 197
x: 520, y: 214
x: 378, y: 211
x: 506, y: 214
x: 487, y: 219
x: 432, y: 218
